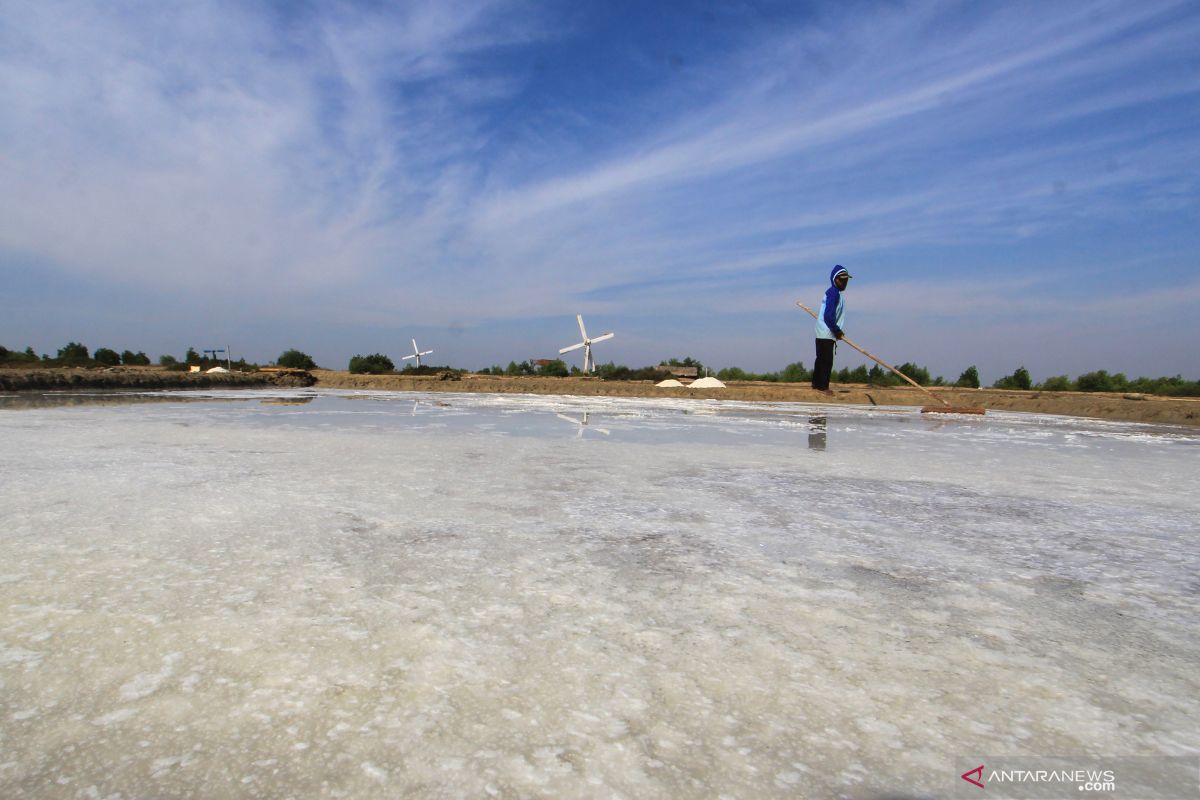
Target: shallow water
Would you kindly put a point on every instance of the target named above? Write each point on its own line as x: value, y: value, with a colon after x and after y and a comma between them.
x: 369, y: 594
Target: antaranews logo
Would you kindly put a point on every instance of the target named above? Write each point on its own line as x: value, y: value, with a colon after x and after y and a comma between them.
x: 978, y: 779
x: 1058, y: 777
x: 1030, y: 778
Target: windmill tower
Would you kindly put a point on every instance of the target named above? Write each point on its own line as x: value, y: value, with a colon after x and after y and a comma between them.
x: 416, y: 353
x: 588, y: 363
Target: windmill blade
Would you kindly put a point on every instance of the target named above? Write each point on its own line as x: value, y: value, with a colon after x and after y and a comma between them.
x: 568, y: 419
x: 582, y: 331
x: 425, y: 353
x: 603, y: 338
x: 406, y: 358
x: 572, y: 347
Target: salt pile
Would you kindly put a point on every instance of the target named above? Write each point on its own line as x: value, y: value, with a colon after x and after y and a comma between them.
x: 669, y: 383
x: 706, y: 383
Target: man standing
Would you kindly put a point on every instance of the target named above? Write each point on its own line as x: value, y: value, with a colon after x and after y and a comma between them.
x: 829, y: 327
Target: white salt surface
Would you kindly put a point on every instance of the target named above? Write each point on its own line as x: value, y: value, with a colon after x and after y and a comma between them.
x: 387, y: 595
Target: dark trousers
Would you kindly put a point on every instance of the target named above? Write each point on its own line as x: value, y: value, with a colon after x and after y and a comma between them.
x: 823, y: 365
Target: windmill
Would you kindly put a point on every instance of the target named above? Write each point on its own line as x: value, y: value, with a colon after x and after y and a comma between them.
x: 586, y: 344
x: 417, y: 353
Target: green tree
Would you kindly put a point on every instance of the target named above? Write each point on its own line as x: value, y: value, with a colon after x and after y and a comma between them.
x: 1018, y: 380
x: 556, y: 368
x: 374, y: 364
x: 138, y: 359
x: 733, y: 374
x: 167, y: 361
x: 73, y: 353
x: 1058, y: 383
x: 295, y: 359
x: 857, y: 375
x: 1101, y: 381
x: 795, y: 373
x: 969, y: 378
x: 192, y: 357
x: 917, y: 373
x: 107, y: 357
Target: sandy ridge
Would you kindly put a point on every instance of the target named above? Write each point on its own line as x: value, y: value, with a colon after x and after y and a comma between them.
x: 1113, y: 406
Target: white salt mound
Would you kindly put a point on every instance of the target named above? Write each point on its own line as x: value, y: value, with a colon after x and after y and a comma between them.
x: 706, y: 383
x: 669, y: 382
x: 217, y: 369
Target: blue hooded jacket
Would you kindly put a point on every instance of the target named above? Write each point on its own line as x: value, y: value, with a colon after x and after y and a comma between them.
x: 831, y: 319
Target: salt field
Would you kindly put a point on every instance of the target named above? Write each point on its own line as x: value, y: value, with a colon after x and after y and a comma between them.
x: 370, y: 594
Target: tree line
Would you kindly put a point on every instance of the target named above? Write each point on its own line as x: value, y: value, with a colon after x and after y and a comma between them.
x: 74, y: 354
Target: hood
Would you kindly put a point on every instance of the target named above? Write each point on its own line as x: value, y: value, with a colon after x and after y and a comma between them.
x: 834, y: 273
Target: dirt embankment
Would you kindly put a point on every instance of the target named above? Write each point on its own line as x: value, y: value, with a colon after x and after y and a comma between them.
x: 138, y: 378
x: 1131, y: 408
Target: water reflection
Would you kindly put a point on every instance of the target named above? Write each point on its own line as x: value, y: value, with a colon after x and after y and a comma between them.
x: 16, y: 401
x: 583, y: 424
x: 816, y: 433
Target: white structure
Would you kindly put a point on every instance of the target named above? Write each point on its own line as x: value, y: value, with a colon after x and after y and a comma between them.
x: 588, y: 363
x: 416, y: 353
x: 582, y: 423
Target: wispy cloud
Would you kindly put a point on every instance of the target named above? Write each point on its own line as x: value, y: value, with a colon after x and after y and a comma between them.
x: 424, y: 163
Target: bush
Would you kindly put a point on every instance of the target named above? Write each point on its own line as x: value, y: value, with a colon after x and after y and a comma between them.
x: 733, y: 374
x: 918, y: 374
x: 73, y: 353
x: 13, y: 357
x: 620, y: 372
x: 295, y: 359
x: 1058, y: 383
x: 1018, y: 380
x: 374, y: 364
x: 857, y: 375
x: 1101, y: 381
x: 1176, y: 386
x: 106, y: 357
x: 969, y: 378
x: 167, y: 361
x: 795, y: 373
x: 878, y: 376
x: 138, y: 359
x: 556, y: 368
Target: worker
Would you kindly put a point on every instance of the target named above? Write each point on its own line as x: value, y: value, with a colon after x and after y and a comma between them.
x: 830, y: 322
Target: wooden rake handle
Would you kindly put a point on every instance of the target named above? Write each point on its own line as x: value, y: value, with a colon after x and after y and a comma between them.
x: 880, y: 361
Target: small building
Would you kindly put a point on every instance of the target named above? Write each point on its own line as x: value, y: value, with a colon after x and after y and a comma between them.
x: 678, y: 371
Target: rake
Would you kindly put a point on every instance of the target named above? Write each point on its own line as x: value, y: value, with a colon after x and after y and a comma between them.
x: 944, y: 408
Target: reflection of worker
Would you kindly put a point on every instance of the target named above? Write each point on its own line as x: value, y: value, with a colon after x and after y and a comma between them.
x: 816, y: 433
x: 829, y: 327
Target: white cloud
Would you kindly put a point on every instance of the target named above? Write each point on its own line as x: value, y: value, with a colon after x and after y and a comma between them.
x: 345, y: 163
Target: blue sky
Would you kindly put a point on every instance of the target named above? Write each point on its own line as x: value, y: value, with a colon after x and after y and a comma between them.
x: 1010, y: 183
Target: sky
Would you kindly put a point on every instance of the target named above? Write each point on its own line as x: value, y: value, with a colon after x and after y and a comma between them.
x: 1010, y: 183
